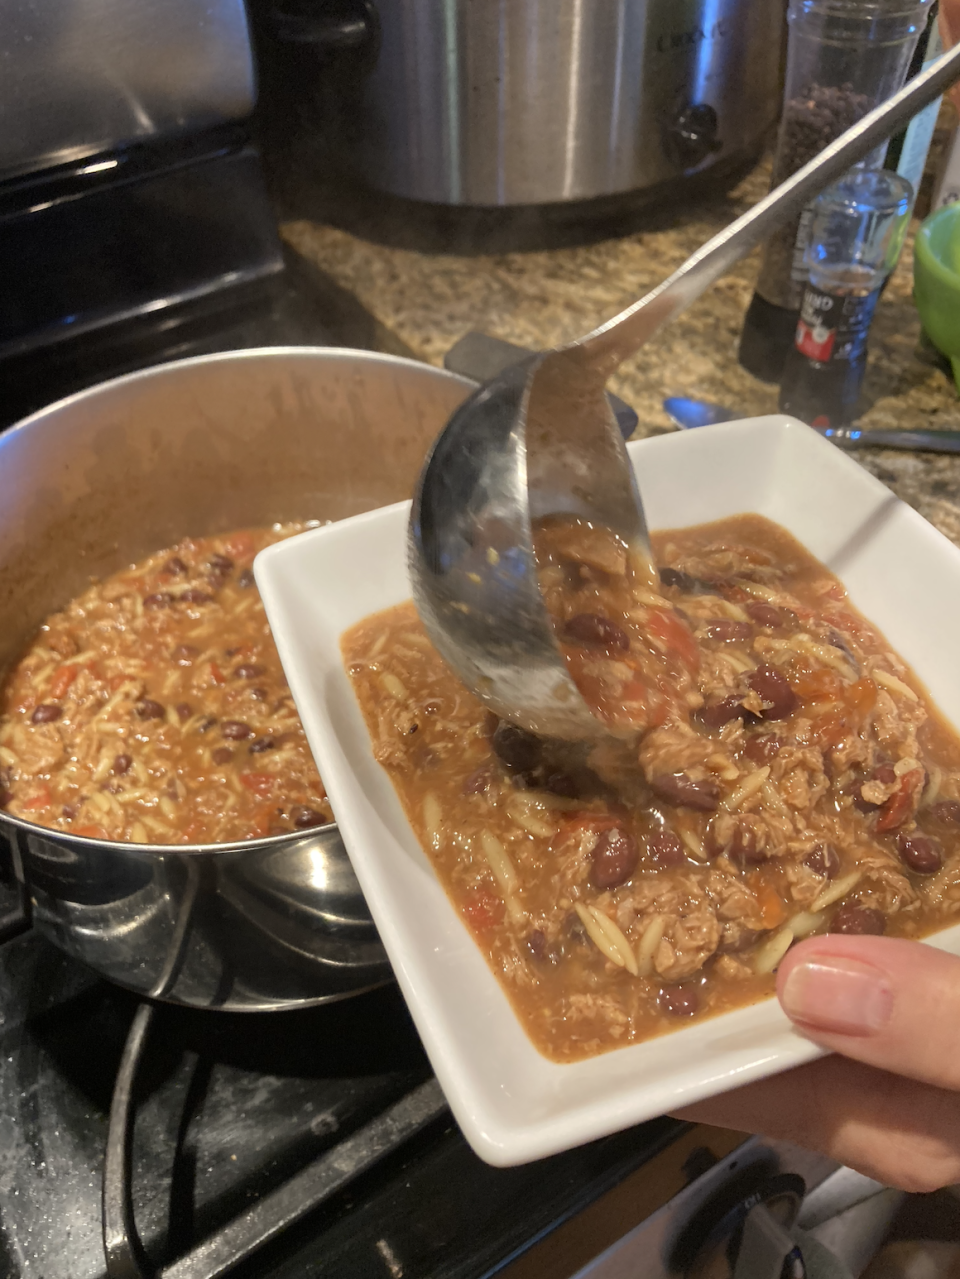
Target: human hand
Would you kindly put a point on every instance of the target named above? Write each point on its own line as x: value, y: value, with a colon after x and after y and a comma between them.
x: 889, y: 1106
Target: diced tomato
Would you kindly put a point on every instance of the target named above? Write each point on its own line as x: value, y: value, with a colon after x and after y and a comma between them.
x: 583, y: 819
x: 90, y: 832
x: 772, y: 910
x: 667, y: 627
x: 483, y: 909
x: 62, y: 679
x: 901, y: 802
x: 217, y: 674
x: 261, y: 784
x: 817, y: 686
x: 42, y: 799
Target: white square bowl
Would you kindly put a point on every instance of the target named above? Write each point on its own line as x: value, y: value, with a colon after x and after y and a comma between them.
x: 512, y: 1103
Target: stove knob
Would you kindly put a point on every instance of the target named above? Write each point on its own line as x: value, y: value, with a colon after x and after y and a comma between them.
x: 693, y: 135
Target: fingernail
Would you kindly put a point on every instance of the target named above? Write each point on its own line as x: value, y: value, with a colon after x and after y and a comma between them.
x: 838, y: 995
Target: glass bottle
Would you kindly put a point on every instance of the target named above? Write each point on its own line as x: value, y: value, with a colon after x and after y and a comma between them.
x: 856, y: 233
x: 843, y: 58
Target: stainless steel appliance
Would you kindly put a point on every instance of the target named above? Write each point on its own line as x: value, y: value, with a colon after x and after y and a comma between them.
x: 480, y: 102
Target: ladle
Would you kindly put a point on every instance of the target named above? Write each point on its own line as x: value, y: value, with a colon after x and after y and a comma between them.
x: 540, y: 439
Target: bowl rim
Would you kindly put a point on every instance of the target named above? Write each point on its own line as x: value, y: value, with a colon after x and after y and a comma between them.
x: 923, y: 247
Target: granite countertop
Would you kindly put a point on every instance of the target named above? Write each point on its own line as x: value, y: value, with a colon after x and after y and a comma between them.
x: 538, y: 299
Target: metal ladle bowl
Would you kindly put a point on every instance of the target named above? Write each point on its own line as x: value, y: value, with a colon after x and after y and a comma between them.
x: 540, y: 439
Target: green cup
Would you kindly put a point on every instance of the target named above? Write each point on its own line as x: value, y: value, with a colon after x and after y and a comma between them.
x: 936, y: 282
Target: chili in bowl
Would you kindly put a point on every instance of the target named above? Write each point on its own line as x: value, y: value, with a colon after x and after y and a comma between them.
x: 586, y: 938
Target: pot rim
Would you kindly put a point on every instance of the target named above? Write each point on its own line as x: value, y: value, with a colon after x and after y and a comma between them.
x: 160, y: 370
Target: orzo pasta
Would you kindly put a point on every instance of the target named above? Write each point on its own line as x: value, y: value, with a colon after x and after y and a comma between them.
x: 777, y: 771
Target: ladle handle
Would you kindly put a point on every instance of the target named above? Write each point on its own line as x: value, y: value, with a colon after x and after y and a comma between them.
x: 609, y: 345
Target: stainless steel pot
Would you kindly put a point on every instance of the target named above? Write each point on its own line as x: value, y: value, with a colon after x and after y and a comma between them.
x: 103, y: 478
x: 481, y: 102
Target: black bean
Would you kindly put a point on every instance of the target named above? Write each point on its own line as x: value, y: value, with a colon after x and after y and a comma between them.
x: 193, y: 596
x: 160, y: 599
x: 772, y: 688
x: 220, y: 563
x: 601, y: 632
x: 681, y: 790
x: 823, y: 859
x: 883, y: 773
x: 537, y: 944
x: 304, y: 818
x: 175, y: 565
x: 748, y: 845
x: 665, y: 849
x: 235, y: 730
x: 516, y: 747
x: 679, y: 1001
x: 147, y: 708
x: 615, y: 856
x: 262, y: 744
x: 763, y: 748
x: 222, y: 755
x: 184, y: 711
x: 714, y: 717
x: 245, y: 578
x: 765, y: 614
x: 676, y: 577
x: 478, y: 781
x: 122, y: 764
x: 726, y: 631
x: 860, y: 921
x: 559, y: 782
x: 948, y: 810
x: 259, y: 694
x: 920, y: 853
x: 184, y: 654
x: 249, y: 671
x: 206, y: 724
x: 46, y: 713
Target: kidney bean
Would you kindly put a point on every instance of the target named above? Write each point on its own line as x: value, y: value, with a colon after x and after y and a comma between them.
x: 601, y: 632
x: 615, y: 856
x: 206, y: 724
x: 222, y: 755
x: 772, y: 687
x: 726, y: 631
x: 537, y: 944
x: 249, y: 670
x: 682, y: 791
x: 160, y: 599
x: 235, y: 730
x: 184, y: 654
x: 147, y: 708
x: 882, y: 773
x: 714, y: 717
x: 920, y: 853
x: 764, y: 614
x: 262, y: 744
x: 859, y: 921
x: 516, y: 747
x: 762, y: 748
x: 245, y: 578
x: 748, y: 847
x: 220, y: 563
x: 679, y: 1001
x: 304, y: 818
x: 122, y: 764
x: 69, y: 811
x: 193, y: 596
x: 478, y: 781
x: 665, y: 849
x: 46, y: 713
x: 948, y: 810
x: 174, y: 565
x: 184, y: 711
x: 823, y: 859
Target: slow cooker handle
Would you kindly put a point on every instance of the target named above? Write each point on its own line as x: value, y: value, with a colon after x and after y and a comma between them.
x: 329, y: 28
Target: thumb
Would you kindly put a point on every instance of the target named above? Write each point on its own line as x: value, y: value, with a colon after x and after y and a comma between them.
x: 889, y: 1003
